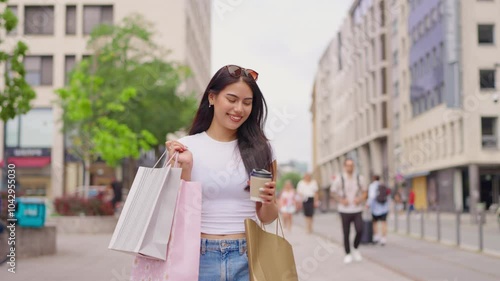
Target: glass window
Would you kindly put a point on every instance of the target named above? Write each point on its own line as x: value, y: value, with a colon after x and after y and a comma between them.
x: 382, y: 46
x: 395, y: 26
x: 396, y: 89
x: 382, y: 13
x: 428, y: 66
x: 95, y: 15
x: 489, y: 132
x: 485, y: 33
x: 38, y: 70
x: 70, y: 20
x: 39, y: 20
x: 34, y: 129
x: 384, y: 80
x: 37, y: 127
x: 12, y: 132
x: 487, y: 79
x: 69, y: 65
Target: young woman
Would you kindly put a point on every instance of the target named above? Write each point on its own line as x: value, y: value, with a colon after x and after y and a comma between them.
x: 225, y: 143
x: 308, y: 189
x: 287, y: 204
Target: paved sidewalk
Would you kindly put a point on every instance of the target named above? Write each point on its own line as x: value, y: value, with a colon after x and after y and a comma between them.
x: 78, y: 258
x: 414, y: 258
x: 86, y: 257
x: 318, y: 259
x: 469, y: 232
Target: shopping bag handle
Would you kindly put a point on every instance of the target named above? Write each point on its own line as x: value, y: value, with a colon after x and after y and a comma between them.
x: 176, y: 155
x: 277, y: 223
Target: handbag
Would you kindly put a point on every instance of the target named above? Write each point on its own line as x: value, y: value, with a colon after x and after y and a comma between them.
x: 145, y: 222
x: 183, y: 251
x: 270, y: 256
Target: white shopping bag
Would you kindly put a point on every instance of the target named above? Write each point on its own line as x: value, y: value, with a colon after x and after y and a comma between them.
x: 146, y: 219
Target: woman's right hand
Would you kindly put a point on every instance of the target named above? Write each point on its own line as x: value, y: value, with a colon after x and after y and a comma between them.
x: 185, y: 158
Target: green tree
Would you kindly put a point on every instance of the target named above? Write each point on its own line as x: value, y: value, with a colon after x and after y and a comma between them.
x: 294, y: 177
x: 114, y: 99
x: 15, y: 94
x: 130, y: 58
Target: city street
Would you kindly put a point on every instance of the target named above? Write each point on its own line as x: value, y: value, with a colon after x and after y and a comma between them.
x: 414, y: 258
x: 318, y: 257
x: 86, y: 257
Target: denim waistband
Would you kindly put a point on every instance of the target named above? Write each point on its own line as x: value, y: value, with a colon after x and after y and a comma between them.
x: 223, y: 245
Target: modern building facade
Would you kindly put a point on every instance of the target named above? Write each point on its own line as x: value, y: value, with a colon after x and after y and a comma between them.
x: 400, y: 85
x: 352, y: 89
x: 421, y: 107
x: 450, y: 135
x: 56, y: 33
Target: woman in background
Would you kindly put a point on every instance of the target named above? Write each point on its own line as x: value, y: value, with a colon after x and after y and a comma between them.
x: 308, y: 190
x: 287, y: 204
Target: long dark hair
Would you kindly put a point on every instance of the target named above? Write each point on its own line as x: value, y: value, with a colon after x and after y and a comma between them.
x: 252, y: 141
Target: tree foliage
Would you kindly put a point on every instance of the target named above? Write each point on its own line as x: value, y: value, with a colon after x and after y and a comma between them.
x: 123, y: 99
x: 294, y: 177
x: 16, y: 93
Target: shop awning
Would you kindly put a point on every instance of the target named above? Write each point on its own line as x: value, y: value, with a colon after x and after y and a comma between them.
x: 30, y: 162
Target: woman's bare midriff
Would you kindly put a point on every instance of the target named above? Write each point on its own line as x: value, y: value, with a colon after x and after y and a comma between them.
x: 223, y: 237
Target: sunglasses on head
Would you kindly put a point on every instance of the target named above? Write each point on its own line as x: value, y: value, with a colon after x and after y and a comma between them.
x: 237, y: 71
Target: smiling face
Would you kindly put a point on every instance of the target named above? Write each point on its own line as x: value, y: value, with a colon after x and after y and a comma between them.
x: 232, y: 106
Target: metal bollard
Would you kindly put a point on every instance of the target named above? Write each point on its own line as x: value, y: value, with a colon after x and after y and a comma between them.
x: 458, y: 228
x: 481, y: 220
x: 438, y: 219
x: 408, y: 223
x: 396, y: 220
x: 422, y: 224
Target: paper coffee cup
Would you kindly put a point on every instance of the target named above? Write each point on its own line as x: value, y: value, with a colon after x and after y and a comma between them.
x: 258, y: 178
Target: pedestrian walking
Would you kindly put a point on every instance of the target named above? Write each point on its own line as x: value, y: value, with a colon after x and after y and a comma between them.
x: 287, y: 204
x: 116, y: 187
x: 411, y: 201
x: 378, y: 201
x: 225, y: 143
x: 350, y: 193
x: 308, y: 191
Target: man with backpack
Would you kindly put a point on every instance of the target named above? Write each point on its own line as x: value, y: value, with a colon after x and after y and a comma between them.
x: 378, y: 201
x: 350, y: 193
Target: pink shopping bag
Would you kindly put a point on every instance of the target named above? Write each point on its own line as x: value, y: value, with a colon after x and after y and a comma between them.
x: 183, y: 250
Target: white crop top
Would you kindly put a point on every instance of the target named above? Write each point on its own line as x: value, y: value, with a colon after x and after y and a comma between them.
x: 219, y: 168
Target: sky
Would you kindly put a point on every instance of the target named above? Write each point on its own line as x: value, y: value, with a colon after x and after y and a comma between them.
x: 283, y: 41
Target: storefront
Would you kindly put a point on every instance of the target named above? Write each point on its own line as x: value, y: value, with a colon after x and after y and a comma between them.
x: 32, y: 166
x: 419, y: 185
x: 489, y: 185
x: 28, y: 145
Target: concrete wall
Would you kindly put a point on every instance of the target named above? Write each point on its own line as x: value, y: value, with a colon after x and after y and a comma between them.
x: 83, y: 224
x: 34, y: 242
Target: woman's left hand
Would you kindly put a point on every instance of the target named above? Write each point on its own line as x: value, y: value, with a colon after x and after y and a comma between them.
x: 267, y: 193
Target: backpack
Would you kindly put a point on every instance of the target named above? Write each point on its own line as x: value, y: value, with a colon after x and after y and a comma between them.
x: 343, y: 185
x: 382, y: 192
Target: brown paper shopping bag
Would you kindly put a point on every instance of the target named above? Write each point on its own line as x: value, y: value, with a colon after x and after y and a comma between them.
x: 270, y: 256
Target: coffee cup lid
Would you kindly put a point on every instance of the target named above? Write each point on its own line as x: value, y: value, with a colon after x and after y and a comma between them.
x: 261, y: 173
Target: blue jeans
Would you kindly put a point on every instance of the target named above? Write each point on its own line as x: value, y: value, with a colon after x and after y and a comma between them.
x: 223, y: 260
